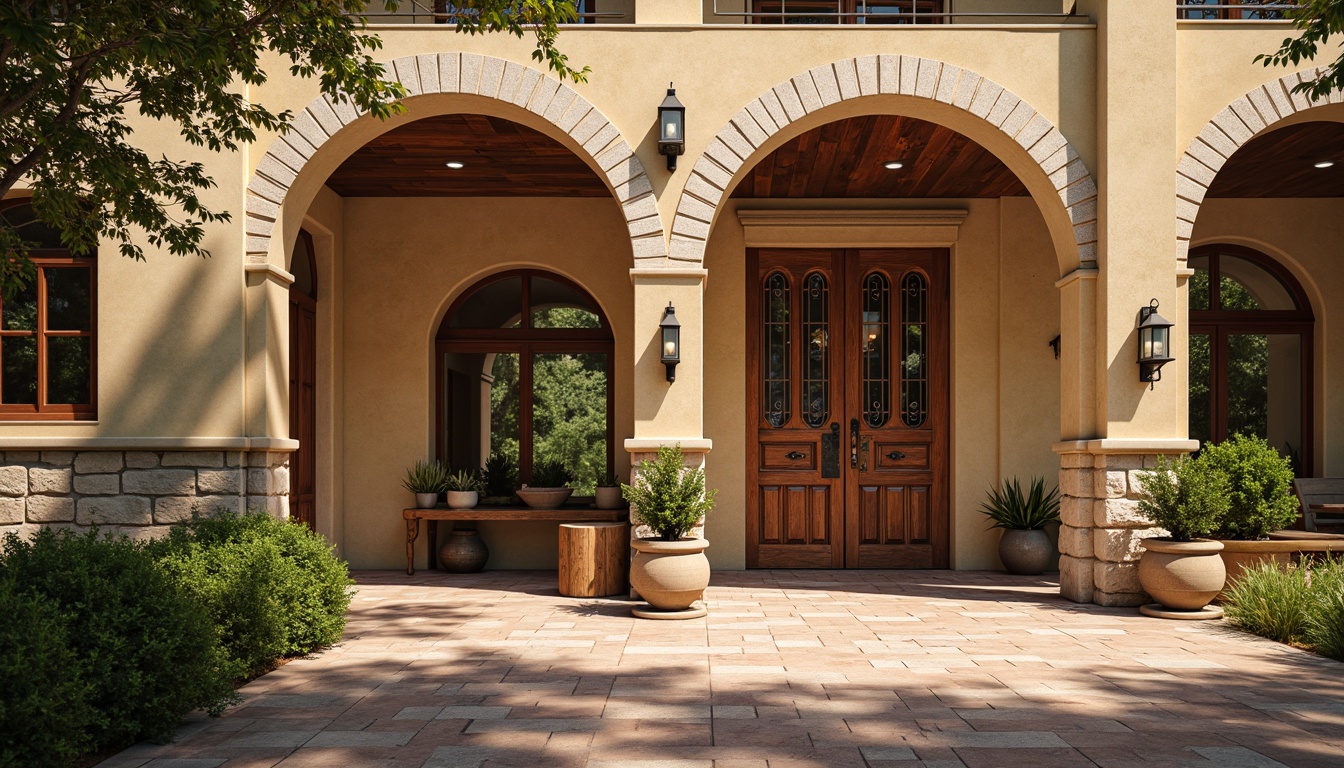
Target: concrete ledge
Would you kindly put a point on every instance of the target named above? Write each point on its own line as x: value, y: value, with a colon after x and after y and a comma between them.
x: 652, y: 444
x: 37, y: 443
x: 1121, y: 445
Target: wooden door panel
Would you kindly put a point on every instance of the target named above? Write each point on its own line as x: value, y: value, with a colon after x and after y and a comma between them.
x: 790, y: 456
x: 303, y: 408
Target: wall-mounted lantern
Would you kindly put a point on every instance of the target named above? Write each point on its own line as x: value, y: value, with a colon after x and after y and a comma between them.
x: 671, y: 128
x: 1154, y: 343
x: 671, y: 341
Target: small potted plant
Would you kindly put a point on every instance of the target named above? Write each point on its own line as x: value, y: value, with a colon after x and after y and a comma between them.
x: 550, y: 486
x: 608, y: 493
x: 670, y: 569
x: 500, y: 479
x: 1024, y: 547
x: 426, y: 479
x: 463, y: 489
x: 1183, y: 571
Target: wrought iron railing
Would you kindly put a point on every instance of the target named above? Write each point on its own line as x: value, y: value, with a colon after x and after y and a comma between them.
x: 880, y: 12
x: 441, y: 12
x: 1231, y: 10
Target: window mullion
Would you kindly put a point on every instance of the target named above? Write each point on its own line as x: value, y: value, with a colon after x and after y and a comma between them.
x: 40, y: 331
x: 525, y: 436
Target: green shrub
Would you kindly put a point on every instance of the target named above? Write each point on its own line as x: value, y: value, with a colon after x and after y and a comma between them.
x: 146, y: 652
x: 1008, y: 507
x: 1272, y: 601
x: 501, y: 475
x: 667, y: 496
x: 1187, y: 497
x: 1260, y: 487
x: 551, y: 473
x: 1325, y: 624
x: 273, y: 587
x: 44, y: 714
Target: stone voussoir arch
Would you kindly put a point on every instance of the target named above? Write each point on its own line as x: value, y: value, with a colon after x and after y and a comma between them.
x: 883, y: 74
x: 470, y: 74
x: 1237, y: 123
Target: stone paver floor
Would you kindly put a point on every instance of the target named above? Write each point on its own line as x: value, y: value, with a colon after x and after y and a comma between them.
x: 791, y: 668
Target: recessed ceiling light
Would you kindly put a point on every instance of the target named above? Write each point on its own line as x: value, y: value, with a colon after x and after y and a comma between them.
x: 894, y: 165
x: 455, y: 164
x: 1326, y: 164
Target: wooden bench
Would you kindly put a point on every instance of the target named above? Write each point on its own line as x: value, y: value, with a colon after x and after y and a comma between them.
x: 1321, y: 497
x: 562, y: 515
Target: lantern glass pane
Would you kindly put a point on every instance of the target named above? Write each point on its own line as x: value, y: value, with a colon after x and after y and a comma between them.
x: 671, y: 343
x: 672, y: 122
x: 1160, y: 342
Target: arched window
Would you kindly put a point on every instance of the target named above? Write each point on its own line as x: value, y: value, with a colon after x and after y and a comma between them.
x: 524, y: 364
x: 1250, y: 351
x: 48, y: 344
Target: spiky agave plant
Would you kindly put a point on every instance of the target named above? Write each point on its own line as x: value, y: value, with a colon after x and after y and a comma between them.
x: 1008, y: 507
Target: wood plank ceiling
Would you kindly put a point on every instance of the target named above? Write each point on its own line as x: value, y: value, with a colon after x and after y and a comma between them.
x: 500, y: 159
x: 846, y: 159
x: 1282, y: 164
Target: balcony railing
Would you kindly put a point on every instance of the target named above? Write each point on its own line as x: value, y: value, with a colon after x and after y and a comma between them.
x: 892, y: 12
x: 1232, y: 10
x: 441, y: 12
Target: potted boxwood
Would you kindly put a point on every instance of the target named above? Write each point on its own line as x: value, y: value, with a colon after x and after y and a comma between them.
x: 608, y: 493
x: 1183, y: 571
x: 463, y: 489
x: 426, y: 479
x: 550, y: 486
x: 1024, y: 547
x: 669, y: 570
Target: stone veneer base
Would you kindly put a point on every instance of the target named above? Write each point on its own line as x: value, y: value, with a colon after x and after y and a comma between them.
x: 136, y: 493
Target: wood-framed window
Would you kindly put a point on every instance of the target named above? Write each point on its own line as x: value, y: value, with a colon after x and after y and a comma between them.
x: 48, y: 330
x: 525, y: 367
x: 846, y: 11
x: 1251, y: 331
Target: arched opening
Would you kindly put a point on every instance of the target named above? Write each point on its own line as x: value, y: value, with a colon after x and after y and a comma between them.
x: 1251, y: 332
x: 525, y: 376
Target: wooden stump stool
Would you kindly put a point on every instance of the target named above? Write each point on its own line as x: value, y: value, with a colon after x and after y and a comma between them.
x: 594, y: 559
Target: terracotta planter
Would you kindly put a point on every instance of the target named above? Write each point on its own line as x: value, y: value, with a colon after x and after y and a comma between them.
x: 544, y: 498
x: 609, y: 497
x: 670, y: 575
x: 426, y: 500
x: 1025, y: 552
x: 1182, y: 575
x: 1282, y: 547
x: 463, y: 552
x: 462, y: 499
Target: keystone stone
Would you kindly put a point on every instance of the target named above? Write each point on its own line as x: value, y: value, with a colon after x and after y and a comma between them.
x: 91, y: 462
x: 49, y: 481
x: 160, y: 482
x: 13, y: 481
x: 114, y: 510
x: 50, y: 509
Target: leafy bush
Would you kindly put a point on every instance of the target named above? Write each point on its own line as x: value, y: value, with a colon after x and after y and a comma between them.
x: 1187, y: 497
x: 1325, y: 624
x: 501, y: 475
x: 146, y: 652
x: 551, y: 474
x: 1271, y: 601
x: 1009, y: 507
x: 425, y: 476
x: 43, y: 711
x: 668, y: 496
x: 1260, y: 487
x: 273, y: 587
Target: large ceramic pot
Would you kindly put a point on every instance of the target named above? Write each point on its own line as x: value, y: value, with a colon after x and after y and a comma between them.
x: 544, y: 498
x: 1281, y: 547
x: 609, y: 497
x: 1025, y: 552
x: 462, y: 499
x: 1182, y: 575
x: 426, y: 500
x: 670, y: 575
x: 463, y: 552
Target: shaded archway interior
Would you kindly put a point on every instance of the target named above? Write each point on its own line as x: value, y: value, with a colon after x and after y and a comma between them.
x: 1282, y: 163
x: 498, y: 158
x: 847, y: 159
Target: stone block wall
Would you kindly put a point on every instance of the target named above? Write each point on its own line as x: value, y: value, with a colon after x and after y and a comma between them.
x: 1101, y: 527
x: 136, y: 493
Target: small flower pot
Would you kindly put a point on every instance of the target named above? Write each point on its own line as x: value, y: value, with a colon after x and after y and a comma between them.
x: 463, y: 499
x: 426, y: 500
x: 609, y: 497
x: 544, y: 498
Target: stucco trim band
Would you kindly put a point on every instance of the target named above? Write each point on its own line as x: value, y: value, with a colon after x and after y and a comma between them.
x: 270, y: 272
x: 1119, y: 445
x: 265, y: 444
x: 652, y: 444
x: 638, y: 275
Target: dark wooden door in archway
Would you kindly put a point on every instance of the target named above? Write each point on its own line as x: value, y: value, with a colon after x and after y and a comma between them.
x: 847, y: 369
x: 303, y: 383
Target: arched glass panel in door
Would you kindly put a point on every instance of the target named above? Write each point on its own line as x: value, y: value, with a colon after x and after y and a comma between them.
x: 776, y: 364
x: 1250, y: 351
x: 525, y: 375
x: 816, y: 378
x: 876, y: 353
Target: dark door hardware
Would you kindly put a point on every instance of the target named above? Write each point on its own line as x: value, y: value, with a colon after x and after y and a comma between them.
x: 895, y: 455
x: 795, y: 455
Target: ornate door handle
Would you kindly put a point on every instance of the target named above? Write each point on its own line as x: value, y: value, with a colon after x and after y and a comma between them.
x: 795, y: 455
x: 895, y: 455
x: 853, y: 443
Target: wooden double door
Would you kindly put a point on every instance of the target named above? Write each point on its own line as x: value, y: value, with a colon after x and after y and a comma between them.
x: 847, y: 375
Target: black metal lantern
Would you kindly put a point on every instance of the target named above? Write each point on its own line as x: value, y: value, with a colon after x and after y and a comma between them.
x: 671, y: 128
x: 671, y: 341
x: 1154, y: 343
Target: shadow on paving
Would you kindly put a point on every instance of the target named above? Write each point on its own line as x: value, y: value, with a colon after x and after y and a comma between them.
x: 497, y: 669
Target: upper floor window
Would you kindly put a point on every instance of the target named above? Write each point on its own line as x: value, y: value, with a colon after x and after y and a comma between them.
x: 1231, y: 9
x: 847, y: 11
x: 47, y: 329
